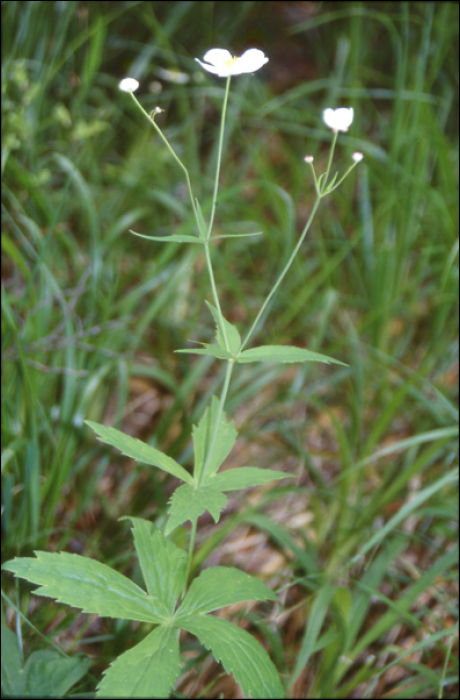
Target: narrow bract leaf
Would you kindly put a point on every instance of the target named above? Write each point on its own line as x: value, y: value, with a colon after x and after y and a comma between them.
x: 332, y: 181
x: 239, y: 653
x: 201, y: 222
x: 236, y: 235
x: 162, y: 564
x: 140, y: 451
x: 174, y: 238
x: 213, y: 350
x: 231, y: 331
x: 219, y: 586
x: 283, y: 353
x: 148, y: 670
x: 245, y: 477
x: 188, y: 503
x: 202, y: 434
x: 87, y: 584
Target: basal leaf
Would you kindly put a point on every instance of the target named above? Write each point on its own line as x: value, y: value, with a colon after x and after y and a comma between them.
x: 245, y: 477
x: 174, y: 238
x: 202, y: 435
x: 140, y: 451
x: 208, y: 349
x: 219, y: 586
x: 239, y: 653
x: 162, y: 564
x: 231, y: 331
x: 13, y: 682
x: 188, y: 503
x: 87, y: 584
x: 148, y: 670
x: 283, y: 353
x: 49, y: 675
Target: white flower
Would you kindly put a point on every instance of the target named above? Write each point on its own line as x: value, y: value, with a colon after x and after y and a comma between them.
x: 357, y: 157
x: 128, y: 85
x: 308, y: 159
x: 222, y: 63
x: 338, y: 119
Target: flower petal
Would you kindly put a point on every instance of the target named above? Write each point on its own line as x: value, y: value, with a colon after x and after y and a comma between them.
x: 128, y: 85
x: 209, y: 68
x: 338, y: 119
x: 250, y: 61
x: 222, y: 63
x: 217, y: 57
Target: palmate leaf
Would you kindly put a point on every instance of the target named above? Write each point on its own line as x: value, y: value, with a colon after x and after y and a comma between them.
x: 87, y: 584
x: 140, y: 451
x: 219, y: 586
x: 189, y: 502
x: 284, y: 353
x: 162, y: 564
x: 148, y: 670
x: 239, y: 653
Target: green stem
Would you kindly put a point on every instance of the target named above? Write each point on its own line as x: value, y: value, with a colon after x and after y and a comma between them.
x: 331, y: 154
x: 219, y: 156
x: 174, y: 155
x: 192, y: 198
x: 191, y: 547
x: 284, y: 272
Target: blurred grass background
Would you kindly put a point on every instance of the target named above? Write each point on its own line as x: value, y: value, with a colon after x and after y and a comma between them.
x: 362, y: 548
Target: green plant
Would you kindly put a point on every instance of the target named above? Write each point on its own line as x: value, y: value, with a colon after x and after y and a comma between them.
x: 151, y: 668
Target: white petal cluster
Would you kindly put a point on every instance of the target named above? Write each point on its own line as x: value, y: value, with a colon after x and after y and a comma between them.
x: 128, y: 85
x: 338, y: 119
x: 222, y: 63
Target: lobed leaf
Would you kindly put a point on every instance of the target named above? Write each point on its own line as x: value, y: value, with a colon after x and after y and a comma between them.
x: 87, y: 584
x: 162, y: 564
x: 239, y: 653
x: 188, y: 503
x: 140, y: 451
x: 148, y: 670
x: 284, y: 353
x: 219, y: 586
